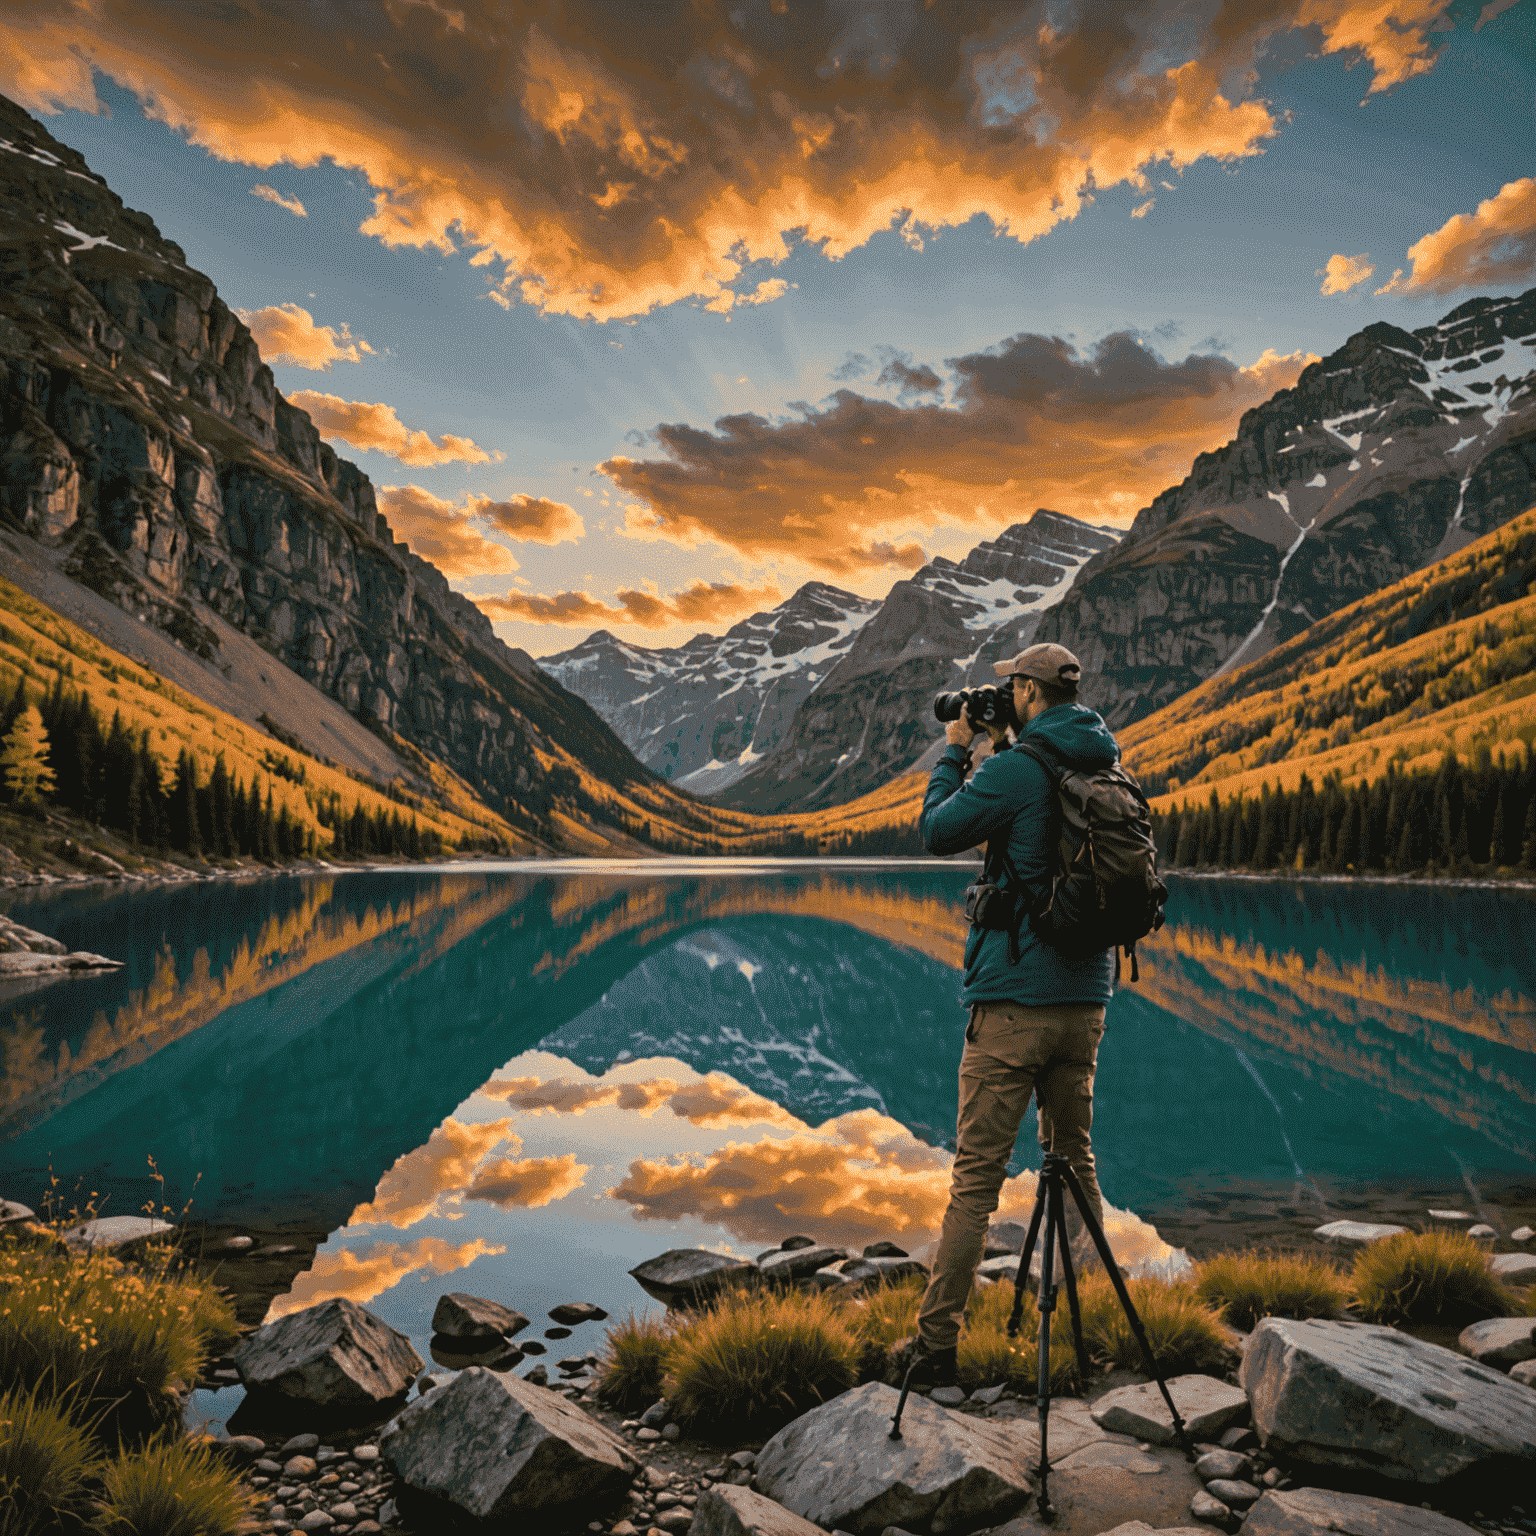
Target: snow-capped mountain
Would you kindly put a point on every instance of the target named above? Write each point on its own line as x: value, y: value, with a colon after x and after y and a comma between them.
x: 702, y: 713
x: 1395, y: 451
x: 872, y: 716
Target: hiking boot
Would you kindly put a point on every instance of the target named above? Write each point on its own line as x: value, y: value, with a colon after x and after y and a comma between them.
x: 931, y: 1368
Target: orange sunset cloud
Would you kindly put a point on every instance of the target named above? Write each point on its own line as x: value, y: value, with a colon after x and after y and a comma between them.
x: 426, y: 1180
x: 714, y: 1100
x: 532, y: 1182
x: 602, y: 171
x: 287, y: 333
x: 361, y: 1277
x: 699, y: 603
x: 442, y: 533
x: 367, y: 425
x: 1495, y: 244
x: 1034, y: 423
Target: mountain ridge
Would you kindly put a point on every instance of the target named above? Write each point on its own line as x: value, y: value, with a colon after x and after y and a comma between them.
x: 1304, y: 510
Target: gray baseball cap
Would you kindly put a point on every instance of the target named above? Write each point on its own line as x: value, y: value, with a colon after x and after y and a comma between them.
x: 1047, y: 663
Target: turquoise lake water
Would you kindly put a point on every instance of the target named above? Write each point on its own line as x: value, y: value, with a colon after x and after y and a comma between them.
x: 521, y: 1080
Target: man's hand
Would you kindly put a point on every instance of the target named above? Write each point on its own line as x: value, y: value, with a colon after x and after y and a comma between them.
x: 960, y: 733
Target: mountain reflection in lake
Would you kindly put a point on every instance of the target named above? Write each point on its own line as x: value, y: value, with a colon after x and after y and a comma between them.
x: 542, y: 1075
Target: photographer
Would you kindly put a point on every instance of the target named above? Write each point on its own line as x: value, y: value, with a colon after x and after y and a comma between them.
x: 1036, y: 1015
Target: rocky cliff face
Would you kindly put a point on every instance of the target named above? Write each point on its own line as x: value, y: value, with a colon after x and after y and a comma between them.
x: 143, y: 443
x: 872, y: 716
x: 702, y: 713
x: 1395, y: 451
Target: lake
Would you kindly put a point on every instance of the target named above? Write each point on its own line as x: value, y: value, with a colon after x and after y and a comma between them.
x: 520, y: 1080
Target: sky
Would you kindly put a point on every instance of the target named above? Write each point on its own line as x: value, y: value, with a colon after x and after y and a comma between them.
x: 640, y: 315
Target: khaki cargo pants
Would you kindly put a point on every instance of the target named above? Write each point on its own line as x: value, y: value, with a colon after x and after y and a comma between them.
x: 1010, y: 1052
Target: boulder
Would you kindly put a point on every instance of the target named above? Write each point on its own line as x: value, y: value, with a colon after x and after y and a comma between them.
x: 790, y: 1244
x: 885, y: 1250
x: 1005, y: 1237
x: 728, y: 1511
x: 459, y: 1315
x: 1500, y: 1341
x: 683, y: 1277
x: 1206, y: 1506
x: 787, y: 1264
x: 1317, y: 1511
x: 1355, y: 1234
x: 1206, y: 1405
x: 1232, y: 1492
x: 113, y: 1233
x: 14, y: 1210
x: 569, y: 1313
x: 894, y: 1270
x: 1141, y: 1528
x: 1524, y: 1373
x: 497, y: 1448
x: 1223, y: 1464
x: 1513, y: 1268
x: 334, y: 1355
x: 1353, y: 1395
x: 859, y: 1274
x: 837, y: 1466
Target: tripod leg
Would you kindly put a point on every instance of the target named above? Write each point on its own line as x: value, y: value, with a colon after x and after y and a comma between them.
x: 1021, y: 1279
x: 1053, y: 1223
x: 1069, y: 1279
x: 1102, y: 1244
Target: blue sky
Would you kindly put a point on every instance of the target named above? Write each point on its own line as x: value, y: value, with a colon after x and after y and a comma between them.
x: 1223, y: 264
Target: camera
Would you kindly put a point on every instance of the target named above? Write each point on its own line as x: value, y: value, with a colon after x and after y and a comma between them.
x: 988, y: 705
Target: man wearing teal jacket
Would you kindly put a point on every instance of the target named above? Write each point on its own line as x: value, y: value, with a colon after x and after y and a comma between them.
x: 1036, y: 1024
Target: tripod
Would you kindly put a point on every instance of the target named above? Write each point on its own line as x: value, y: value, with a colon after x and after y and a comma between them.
x: 1056, y: 1175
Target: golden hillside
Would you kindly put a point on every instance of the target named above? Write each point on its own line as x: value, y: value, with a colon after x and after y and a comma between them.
x: 1444, y: 660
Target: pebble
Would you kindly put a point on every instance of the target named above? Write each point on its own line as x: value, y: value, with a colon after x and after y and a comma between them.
x: 244, y: 1445
x: 366, y: 1528
x: 557, y: 1333
x: 1523, y: 1234
x: 667, y: 1500
x: 365, y: 1453
x: 299, y: 1443
x: 1233, y: 1494
x: 947, y: 1397
x: 1482, y: 1230
x: 1206, y: 1506
x: 538, y: 1375
x: 301, y: 1468
x: 346, y: 1510
x: 348, y: 1487
x: 1272, y: 1477
x: 675, y: 1519
x: 239, y: 1244
x: 269, y: 1467
x: 388, y: 1514
x: 986, y: 1396
x: 316, y: 1520
x: 1239, y: 1439
x: 747, y: 1459
x: 671, y: 1432
x: 647, y: 1434
x: 1231, y: 1464
x: 626, y: 1528
x: 656, y: 1415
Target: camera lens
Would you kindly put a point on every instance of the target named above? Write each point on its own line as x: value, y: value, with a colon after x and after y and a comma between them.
x: 949, y: 706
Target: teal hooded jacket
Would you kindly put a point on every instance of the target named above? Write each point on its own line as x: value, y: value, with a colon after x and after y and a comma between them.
x: 1011, y: 795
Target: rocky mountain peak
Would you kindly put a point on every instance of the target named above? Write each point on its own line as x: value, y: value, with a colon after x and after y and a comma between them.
x: 1395, y: 450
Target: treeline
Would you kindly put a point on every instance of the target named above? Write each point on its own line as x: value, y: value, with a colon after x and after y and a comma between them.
x: 107, y: 774
x: 1454, y: 821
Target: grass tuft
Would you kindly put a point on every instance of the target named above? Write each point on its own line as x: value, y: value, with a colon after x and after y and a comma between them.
x: 754, y: 1361
x: 1184, y: 1332
x: 634, y: 1371
x: 171, y: 1487
x: 1269, y: 1283
x: 122, y: 1343
x: 888, y: 1314
x: 986, y: 1355
x: 47, y: 1465
x: 1428, y: 1277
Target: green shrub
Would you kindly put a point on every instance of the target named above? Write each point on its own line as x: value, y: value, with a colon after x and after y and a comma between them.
x: 46, y: 1466
x: 171, y: 1487
x: 124, y: 1343
x: 1428, y: 1277
x: 1267, y: 1283
x: 1184, y: 1332
x: 986, y: 1355
x: 634, y: 1371
x: 754, y: 1361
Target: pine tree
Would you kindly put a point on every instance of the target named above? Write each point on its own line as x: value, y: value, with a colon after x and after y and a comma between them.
x: 222, y: 837
x: 185, y: 833
x: 24, y: 757
x: 1528, y: 845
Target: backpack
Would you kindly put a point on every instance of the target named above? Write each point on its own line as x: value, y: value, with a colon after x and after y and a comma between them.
x: 1105, y: 890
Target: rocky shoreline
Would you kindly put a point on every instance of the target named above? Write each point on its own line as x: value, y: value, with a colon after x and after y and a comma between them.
x: 1114, y: 1458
